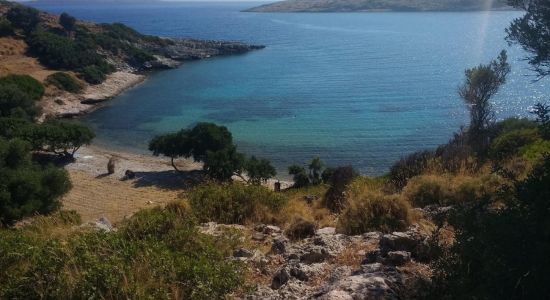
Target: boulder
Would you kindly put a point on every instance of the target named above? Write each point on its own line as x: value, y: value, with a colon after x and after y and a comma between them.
x: 280, y: 278
x: 258, y: 236
x: 326, y: 231
x: 241, y: 252
x: 397, y: 241
x: 398, y: 258
x: 279, y: 245
x: 314, y: 255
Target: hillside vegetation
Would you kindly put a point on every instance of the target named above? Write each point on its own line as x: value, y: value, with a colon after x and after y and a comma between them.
x: 379, y: 5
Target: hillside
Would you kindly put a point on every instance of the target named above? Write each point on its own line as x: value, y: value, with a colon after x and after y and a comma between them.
x: 378, y: 5
x: 104, y: 59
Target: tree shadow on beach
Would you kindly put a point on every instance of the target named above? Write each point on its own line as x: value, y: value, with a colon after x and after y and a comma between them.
x: 169, y: 180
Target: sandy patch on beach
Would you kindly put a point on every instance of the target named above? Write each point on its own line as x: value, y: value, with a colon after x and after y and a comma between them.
x: 96, y: 194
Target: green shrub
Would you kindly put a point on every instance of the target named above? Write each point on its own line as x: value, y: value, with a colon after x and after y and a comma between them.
x: 234, y: 203
x: 511, y: 124
x: 30, y: 86
x: 300, y: 229
x: 6, y: 29
x: 259, y: 170
x: 534, y: 152
x: 442, y: 190
x: 172, y: 260
x: 23, y: 17
x: 427, y: 190
x: 26, y: 188
x: 335, y: 198
x: 13, y: 127
x: 510, y: 143
x: 408, y: 167
x: 368, y: 212
x: 299, y: 176
x: 60, y: 52
x: 14, y: 103
x: 499, y: 253
x: 92, y: 74
x: 65, y: 82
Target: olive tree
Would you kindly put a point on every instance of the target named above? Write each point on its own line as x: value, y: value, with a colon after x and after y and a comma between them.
x: 259, y: 170
x: 480, y: 85
x: 213, y: 146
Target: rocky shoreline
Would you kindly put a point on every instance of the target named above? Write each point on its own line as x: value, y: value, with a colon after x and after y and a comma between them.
x: 60, y: 104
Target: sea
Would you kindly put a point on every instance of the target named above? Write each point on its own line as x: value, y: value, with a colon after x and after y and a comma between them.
x: 361, y: 89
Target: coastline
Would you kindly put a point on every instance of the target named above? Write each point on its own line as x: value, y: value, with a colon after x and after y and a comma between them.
x: 68, y: 105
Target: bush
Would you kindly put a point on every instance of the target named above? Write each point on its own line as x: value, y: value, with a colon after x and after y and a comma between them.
x: 23, y: 17
x: 374, y: 212
x: 299, y: 176
x: 499, y: 253
x: 335, y: 197
x: 259, y: 170
x: 65, y: 82
x: 25, y: 188
x: 512, y: 124
x: 60, y: 52
x: 510, y: 143
x: 13, y: 127
x: 17, y: 104
x: 25, y: 83
x: 440, y: 190
x: 67, y: 21
x: 534, y: 152
x: 234, y: 203
x: 92, y: 74
x: 300, y: 229
x: 155, y: 255
x: 427, y: 190
x: 408, y: 167
x: 6, y: 29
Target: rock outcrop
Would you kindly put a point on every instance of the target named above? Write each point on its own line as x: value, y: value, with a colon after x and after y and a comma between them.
x: 330, y: 265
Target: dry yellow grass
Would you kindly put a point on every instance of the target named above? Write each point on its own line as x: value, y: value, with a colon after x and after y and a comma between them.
x: 112, y: 198
x: 14, y: 60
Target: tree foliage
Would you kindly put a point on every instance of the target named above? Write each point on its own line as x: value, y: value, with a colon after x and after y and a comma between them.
x: 16, y: 103
x: 542, y: 112
x: 67, y: 21
x: 212, y: 145
x: 335, y: 198
x: 25, y: 83
x: 62, y: 138
x: 480, y: 85
x: 532, y: 32
x: 23, y: 17
x: 259, y: 170
x: 26, y: 188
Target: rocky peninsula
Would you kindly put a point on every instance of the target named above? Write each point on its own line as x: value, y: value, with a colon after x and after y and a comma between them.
x: 379, y: 5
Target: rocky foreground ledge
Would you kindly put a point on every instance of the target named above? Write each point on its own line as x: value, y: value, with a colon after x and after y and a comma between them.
x: 329, y: 265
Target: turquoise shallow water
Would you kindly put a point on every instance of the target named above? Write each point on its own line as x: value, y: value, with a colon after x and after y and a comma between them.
x: 353, y: 88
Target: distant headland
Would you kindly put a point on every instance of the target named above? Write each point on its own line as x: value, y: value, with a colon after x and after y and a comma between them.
x: 379, y: 5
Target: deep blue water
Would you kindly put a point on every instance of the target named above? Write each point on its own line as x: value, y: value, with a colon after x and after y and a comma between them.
x: 352, y: 88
